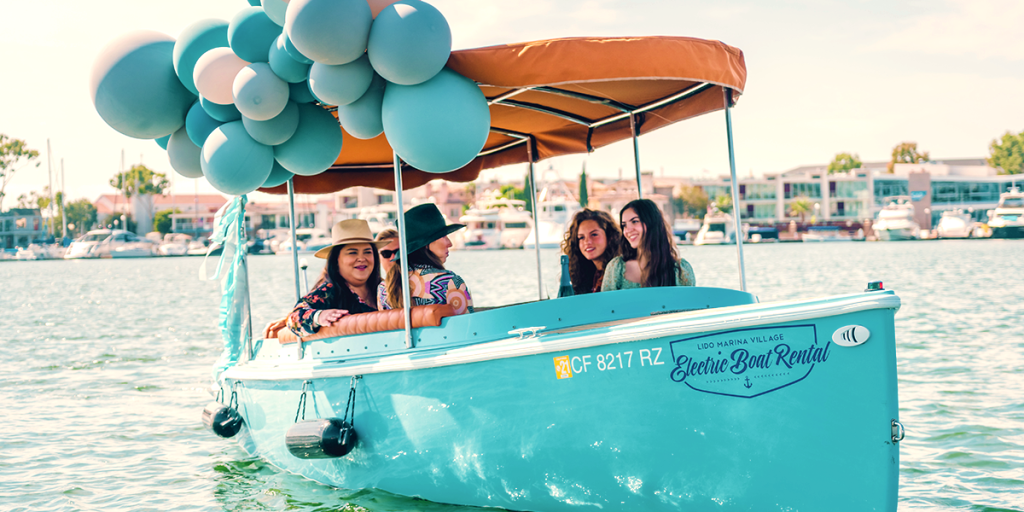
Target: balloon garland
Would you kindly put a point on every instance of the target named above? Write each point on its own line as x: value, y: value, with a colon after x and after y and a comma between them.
x: 241, y: 102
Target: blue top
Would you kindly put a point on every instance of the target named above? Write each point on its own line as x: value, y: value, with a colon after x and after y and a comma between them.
x: 615, y: 275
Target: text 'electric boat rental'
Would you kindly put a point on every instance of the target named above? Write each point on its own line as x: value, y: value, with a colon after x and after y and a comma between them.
x: 674, y: 398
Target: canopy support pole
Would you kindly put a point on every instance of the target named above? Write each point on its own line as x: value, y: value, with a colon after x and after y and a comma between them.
x: 402, y: 252
x: 295, y: 250
x: 536, y: 228
x: 636, y: 156
x: 737, y: 230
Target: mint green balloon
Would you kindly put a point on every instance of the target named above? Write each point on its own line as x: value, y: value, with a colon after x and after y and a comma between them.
x: 222, y: 113
x: 276, y: 130
x: 275, y: 10
x: 329, y: 31
x: 193, y: 42
x: 362, y: 118
x: 278, y: 175
x: 284, y: 66
x: 250, y: 33
x: 410, y: 42
x: 184, y: 155
x: 233, y: 162
x: 315, y: 145
x: 437, y: 126
x: 342, y: 84
x: 300, y: 93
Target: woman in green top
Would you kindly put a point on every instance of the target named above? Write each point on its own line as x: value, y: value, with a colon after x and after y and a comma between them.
x: 648, y: 254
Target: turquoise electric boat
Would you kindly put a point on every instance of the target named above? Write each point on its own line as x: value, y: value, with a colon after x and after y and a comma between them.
x: 648, y: 399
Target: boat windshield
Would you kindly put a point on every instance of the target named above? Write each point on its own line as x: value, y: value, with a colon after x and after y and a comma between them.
x: 1012, y: 202
x: 717, y: 226
x: 99, y: 237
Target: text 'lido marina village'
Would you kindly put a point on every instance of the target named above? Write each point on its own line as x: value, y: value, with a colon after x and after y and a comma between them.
x: 435, y: 278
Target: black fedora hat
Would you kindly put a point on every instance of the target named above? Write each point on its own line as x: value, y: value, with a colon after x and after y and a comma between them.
x: 424, y: 224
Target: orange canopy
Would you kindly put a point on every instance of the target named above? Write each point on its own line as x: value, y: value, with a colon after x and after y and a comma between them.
x: 569, y: 95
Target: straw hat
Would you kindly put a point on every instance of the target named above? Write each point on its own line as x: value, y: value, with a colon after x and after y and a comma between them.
x: 351, y: 231
x: 424, y: 224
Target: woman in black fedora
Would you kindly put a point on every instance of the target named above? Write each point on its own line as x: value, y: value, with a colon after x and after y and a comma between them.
x: 429, y: 282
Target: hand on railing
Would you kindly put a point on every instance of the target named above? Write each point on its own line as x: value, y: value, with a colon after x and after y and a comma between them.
x: 271, y: 330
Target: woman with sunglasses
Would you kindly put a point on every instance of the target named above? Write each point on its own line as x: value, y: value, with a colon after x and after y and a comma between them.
x: 648, y: 258
x: 390, y: 235
x: 429, y: 281
x: 348, y: 283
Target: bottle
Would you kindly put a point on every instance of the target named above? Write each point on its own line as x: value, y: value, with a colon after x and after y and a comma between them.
x: 565, y: 288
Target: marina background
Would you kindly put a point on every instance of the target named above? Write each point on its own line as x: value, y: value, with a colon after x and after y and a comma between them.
x: 107, y: 366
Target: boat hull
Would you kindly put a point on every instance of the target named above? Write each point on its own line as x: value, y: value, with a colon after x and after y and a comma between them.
x: 1008, y: 232
x: 894, y: 235
x: 649, y: 414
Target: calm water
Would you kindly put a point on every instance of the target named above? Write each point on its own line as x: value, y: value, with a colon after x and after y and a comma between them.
x: 105, y: 368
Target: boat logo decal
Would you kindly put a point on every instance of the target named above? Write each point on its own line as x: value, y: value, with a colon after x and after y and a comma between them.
x: 562, y: 368
x: 747, y: 363
x: 851, y: 335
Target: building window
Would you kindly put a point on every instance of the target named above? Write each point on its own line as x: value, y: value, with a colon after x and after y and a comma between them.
x: 885, y: 190
x: 955, y: 192
x: 759, y: 191
x: 385, y: 199
x: 268, y: 222
x: 849, y: 189
x: 810, y: 190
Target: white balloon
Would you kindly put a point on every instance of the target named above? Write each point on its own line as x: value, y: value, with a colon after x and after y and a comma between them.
x: 215, y: 73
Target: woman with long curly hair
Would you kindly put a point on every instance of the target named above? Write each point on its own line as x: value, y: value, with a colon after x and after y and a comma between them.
x: 592, y: 240
x: 648, y: 252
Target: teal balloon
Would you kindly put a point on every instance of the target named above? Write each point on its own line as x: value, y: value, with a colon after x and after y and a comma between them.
x: 254, y: 2
x: 222, y: 113
x: 250, y: 33
x: 276, y: 130
x: 135, y: 89
x: 361, y: 118
x: 193, y: 42
x: 342, y: 84
x: 315, y: 145
x: 313, y: 94
x: 233, y: 162
x: 199, y: 125
x: 184, y: 155
x: 278, y: 176
x: 162, y: 141
x: 329, y: 31
x: 300, y: 93
x: 437, y: 126
x: 410, y: 42
x: 293, y: 51
x: 275, y: 10
x: 289, y: 69
x: 259, y: 94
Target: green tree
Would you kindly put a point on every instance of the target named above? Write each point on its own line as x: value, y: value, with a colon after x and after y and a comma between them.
x: 40, y: 200
x: 584, y: 195
x: 800, y: 207
x: 724, y: 203
x: 139, y: 180
x: 81, y: 217
x: 162, y: 220
x: 1007, y: 154
x: 844, y: 162
x: 14, y: 156
x: 906, y: 153
x: 527, y: 186
x: 691, y: 202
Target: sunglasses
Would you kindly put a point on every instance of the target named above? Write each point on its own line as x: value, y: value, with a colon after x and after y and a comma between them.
x: 388, y: 253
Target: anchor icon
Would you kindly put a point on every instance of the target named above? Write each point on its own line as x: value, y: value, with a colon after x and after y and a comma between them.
x: 747, y: 384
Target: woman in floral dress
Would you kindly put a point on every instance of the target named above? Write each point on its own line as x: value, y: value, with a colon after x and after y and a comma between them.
x: 429, y: 281
x: 648, y: 255
x: 348, y: 283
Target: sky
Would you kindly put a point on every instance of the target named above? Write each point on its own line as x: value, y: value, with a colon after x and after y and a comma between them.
x: 824, y: 77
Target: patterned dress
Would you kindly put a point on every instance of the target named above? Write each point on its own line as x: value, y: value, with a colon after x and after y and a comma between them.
x: 431, y: 285
x: 324, y: 296
x: 615, y: 275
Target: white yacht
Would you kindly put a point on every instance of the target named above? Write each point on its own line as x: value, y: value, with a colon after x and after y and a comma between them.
x: 174, y: 244
x: 717, y: 229
x: 1007, y: 220
x: 555, y: 208
x: 110, y: 243
x: 826, y: 234
x: 379, y: 217
x: 684, y: 230
x: 308, y: 240
x: 496, y: 224
x: 896, y: 222
x: 955, y: 224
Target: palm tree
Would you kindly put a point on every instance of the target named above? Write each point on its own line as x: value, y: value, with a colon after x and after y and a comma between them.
x: 801, y: 206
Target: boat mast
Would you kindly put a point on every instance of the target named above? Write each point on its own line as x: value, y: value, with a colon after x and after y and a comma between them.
x: 295, y: 249
x: 403, y: 259
x: 536, y: 228
x: 735, y: 190
x: 636, y: 155
x: 63, y: 199
x: 49, y: 176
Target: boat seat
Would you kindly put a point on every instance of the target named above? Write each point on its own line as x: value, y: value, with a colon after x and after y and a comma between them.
x: 376, y: 321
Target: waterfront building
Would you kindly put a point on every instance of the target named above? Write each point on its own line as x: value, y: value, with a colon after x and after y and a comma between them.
x: 19, y: 227
x: 195, y: 210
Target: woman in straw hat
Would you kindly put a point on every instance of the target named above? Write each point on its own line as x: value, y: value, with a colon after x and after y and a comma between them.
x: 348, y: 283
x: 429, y: 282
